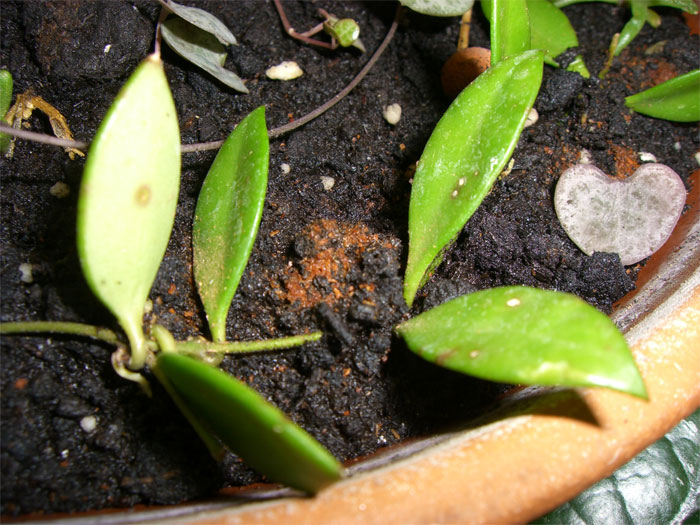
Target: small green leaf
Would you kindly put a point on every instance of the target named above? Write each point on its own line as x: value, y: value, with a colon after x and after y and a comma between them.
x: 345, y: 31
x: 509, y: 27
x: 203, y: 20
x: 552, y: 33
x: 526, y: 336
x: 439, y: 7
x: 128, y: 197
x: 465, y: 153
x: 659, y: 485
x: 640, y: 15
x: 227, y: 217
x: 677, y: 99
x: 200, y: 48
x: 250, y: 426
x: 689, y: 6
x: 5, y: 91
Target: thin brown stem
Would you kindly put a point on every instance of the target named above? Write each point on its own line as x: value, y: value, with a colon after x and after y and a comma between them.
x: 304, y: 37
x: 43, y: 138
x: 464, y: 27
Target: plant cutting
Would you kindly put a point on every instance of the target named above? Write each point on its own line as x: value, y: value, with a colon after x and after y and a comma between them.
x: 138, y: 145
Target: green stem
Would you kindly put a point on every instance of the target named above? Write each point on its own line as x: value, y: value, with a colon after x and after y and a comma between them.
x: 60, y: 327
x: 236, y: 347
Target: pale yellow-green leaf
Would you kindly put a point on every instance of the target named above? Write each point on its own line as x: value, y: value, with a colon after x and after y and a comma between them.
x: 128, y: 197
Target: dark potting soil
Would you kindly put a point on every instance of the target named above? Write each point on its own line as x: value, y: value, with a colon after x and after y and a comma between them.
x: 328, y: 258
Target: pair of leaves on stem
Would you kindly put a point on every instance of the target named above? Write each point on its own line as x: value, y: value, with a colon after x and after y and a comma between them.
x: 126, y: 210
x: 200, y: 37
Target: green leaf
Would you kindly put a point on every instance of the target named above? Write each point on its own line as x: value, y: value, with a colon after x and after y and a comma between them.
x: 5, y: 91
x: 677, y: 99
x: 528, y: 336
x: 640, y: 15
x: 552, y: 33
x: 509, y: 27
x: 439, y: 7
x: 689, y: 6
x: 203, y: 20
x: 227, y: 217
x: 465, y: 153
x: 659, y: 485
x: 345, y: 30
x: 128, y: 197
x: 250, y: 426
x: 200, y: 48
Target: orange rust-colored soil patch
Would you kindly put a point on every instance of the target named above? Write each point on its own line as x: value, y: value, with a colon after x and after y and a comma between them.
x: 626, y: 161
x: 331, y: 250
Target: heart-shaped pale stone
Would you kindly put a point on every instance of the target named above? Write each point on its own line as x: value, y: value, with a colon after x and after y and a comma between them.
x: 632, y: 217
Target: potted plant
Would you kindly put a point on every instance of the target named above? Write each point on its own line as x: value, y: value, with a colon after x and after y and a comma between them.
x: 352, y: 318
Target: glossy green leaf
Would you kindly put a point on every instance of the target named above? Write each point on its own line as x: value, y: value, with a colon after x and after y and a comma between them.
x: 200, y: 48
x: 128, y: 197
x: 659, y: 485
x: 528, y: 336
x: 677, y: 99
x: 439, y: 7
x: 551, y: 32
x: 227, y: 217
x: 203, y: 20
x: 640, y: 15
x: 465, y: 153
x: 5, y: 101
x: 250, y: 426
x: 509, y: 27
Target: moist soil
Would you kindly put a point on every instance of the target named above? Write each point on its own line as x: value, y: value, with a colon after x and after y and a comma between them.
x: 326, y: 258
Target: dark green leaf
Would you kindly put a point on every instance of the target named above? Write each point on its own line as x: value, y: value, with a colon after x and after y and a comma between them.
x: 439, y: 7
x: 128, y: 196
x: 659, y: 485
x: 551, y: 32
x: 509, y: 27
x: 465, y: 153
x: 677, y: 99
x: 250, y: 426
x: 203, y: 20
x: 200, y: 48
x: 689, y: 6
x: 526, y: 336
x: 227, y: 217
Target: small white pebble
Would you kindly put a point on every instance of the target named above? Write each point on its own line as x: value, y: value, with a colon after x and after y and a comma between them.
x: 584, y: 157
x: 88, y: 423
x: 392, y: 114
x: 697, y: 157
x: 677, y: 146
x: 645, y: 156
x: 285, y: 168
x: 64, y: 453
x: 531, y: 118
x: 287, y: 70
x: 107, y: 48
x: 25, y: 270
x: 328, y: 183
x: 60, y: 190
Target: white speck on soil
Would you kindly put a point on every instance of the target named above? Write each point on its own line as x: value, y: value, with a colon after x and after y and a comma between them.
x: 392, y: 114
x: 285, y: 168
x: 328, y: 183
x: 88, y: 423
x: 60, y: 190
x: 287, y: 70
x: 645, y: 156
x: 25, y: 270
x: 531, y: 118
